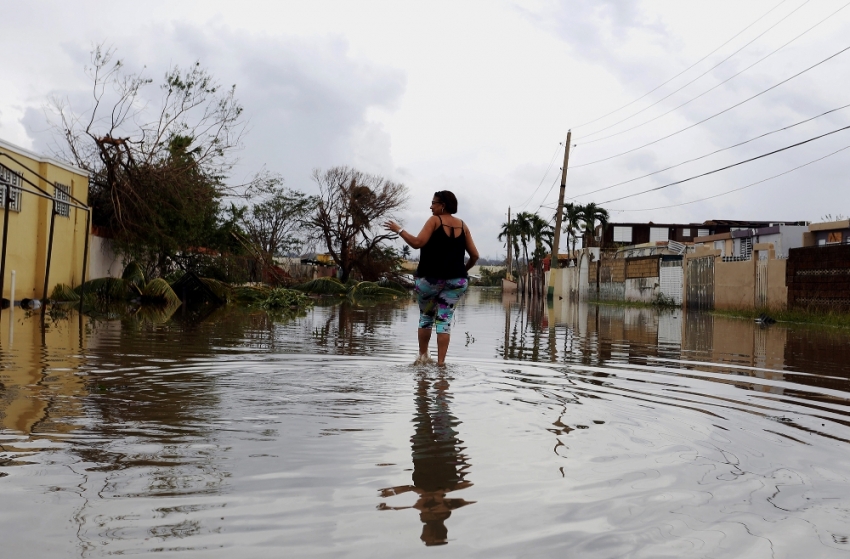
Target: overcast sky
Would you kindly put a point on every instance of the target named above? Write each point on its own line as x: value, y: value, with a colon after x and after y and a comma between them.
x: 477, y: 97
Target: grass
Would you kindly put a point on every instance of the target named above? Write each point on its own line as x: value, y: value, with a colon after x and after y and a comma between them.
x: 796, y: 316
x: 660, y: 304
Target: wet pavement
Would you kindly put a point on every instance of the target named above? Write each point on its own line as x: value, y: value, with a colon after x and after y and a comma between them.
x: 570, y: 431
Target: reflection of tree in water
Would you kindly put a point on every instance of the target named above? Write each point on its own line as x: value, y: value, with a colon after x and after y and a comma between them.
x: 523, y: 339
x: 439, y: 464
x: 355, y: 330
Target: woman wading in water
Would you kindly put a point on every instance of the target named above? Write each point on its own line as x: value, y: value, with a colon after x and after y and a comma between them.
x: 441, y: 278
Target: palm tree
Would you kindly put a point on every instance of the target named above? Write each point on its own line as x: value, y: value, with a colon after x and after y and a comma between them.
x: 591, y: 213
x: 571, y: 221
x: 543, y: 234
x: 510, y: 231
x: 524, y: 231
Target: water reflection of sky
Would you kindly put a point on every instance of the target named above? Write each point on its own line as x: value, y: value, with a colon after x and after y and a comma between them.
x: 590, y: 431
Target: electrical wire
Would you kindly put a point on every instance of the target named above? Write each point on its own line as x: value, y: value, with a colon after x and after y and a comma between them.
x: 711, y: 153
x: 739, y: 188
x: 547, y: 194
x: 549, y: 168
x: 713, y: 171
x: 683, y: 71
x: 733, y: 76
x: 726, y: 110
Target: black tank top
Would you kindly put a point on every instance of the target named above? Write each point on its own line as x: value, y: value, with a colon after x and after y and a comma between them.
x: 442, y: 256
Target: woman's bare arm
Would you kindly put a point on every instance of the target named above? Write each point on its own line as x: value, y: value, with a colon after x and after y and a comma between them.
x: 470, y: 248
x: 415, y: 241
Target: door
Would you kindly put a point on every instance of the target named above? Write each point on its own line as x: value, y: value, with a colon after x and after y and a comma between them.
x: 701, y: 283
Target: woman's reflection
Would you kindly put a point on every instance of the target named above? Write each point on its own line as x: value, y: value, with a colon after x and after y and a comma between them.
x: 439, y: 464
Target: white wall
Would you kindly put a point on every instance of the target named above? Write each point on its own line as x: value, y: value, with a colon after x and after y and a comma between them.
x: 103, y: 262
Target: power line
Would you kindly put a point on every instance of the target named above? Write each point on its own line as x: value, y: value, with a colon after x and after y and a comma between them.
x: 751, y: 159
x: 711, y: 153
x: 683, y: 71
x: 547, y: 194
x: 757, y: 37
x: 762, y: 59
x: 726, y: 110
x: 549, y: 168
x: 739, y: 188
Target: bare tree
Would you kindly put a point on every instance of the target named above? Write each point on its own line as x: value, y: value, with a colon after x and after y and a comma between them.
x: 157, y: 168
x: 351, y: 206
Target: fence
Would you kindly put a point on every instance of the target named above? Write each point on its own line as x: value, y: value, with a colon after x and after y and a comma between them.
x: 819, y: 277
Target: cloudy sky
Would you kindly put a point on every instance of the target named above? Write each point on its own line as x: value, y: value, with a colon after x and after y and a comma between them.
x: 477, y: 96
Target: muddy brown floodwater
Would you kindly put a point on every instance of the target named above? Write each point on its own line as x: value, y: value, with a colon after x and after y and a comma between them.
x: 574, y: 431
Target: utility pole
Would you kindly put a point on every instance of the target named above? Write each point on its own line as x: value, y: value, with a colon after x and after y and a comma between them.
x: 509, y: 275
x: 559, y: 212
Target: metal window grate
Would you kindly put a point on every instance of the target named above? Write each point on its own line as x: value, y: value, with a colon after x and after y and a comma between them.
x: 12, y: 180
x: 63, y: 197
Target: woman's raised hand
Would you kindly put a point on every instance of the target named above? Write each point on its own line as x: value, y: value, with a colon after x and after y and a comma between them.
x: 392, y: 226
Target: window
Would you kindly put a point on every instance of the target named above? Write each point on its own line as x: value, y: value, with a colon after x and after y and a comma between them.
x: 658, y: 234
x: 833, y: 237
x: 703, y: 233
x: 62, y: 198
x: 747, y: 247
x: 686, y: 232
x: 13, y: 180
x: 622, y: 234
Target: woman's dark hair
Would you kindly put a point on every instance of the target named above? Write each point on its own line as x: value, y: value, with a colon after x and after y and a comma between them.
x: 448, y: 199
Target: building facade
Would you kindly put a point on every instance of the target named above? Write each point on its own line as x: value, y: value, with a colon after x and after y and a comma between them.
x: 41, y: 191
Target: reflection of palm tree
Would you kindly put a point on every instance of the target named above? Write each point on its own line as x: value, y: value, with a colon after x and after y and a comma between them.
x: 439, y: 465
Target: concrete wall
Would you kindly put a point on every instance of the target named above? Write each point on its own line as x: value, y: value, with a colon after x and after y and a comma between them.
x: 29, y: 229
x: 103, y: 262
x: 777, y: 291
x: 734, y: 284
x: 612, y: 291
x: 642, y: 289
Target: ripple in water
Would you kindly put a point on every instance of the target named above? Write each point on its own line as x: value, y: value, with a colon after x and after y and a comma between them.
x: 575, y: 431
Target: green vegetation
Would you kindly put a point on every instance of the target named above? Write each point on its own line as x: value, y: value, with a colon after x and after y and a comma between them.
x: 490, y: 278
x: 829, y: 318
x: 280, y: 298
x: 660, y: 302
x: 131, y: 286
x: 354, y: 291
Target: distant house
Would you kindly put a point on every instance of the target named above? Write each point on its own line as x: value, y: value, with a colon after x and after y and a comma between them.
x: 738, y: 244
x: 627, y: 234
x: 828, y: 233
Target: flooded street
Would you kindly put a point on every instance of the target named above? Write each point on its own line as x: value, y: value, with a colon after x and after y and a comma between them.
x: 573, y: 431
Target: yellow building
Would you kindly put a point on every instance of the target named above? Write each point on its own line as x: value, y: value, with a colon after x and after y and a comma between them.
x: 34, y: 181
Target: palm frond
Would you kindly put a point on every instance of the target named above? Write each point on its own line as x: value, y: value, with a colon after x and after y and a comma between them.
x: 322, y: 286
x: 371, y: 290
x: 247, y: 294
x: 395, y: 286
x: 107, y: 289
x: 134, y: 274
x: 221, y: 289
x: 64, y: 293
x: 157, y: 291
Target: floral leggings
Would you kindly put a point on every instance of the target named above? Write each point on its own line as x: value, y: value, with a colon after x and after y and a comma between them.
x: 437, y: 300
